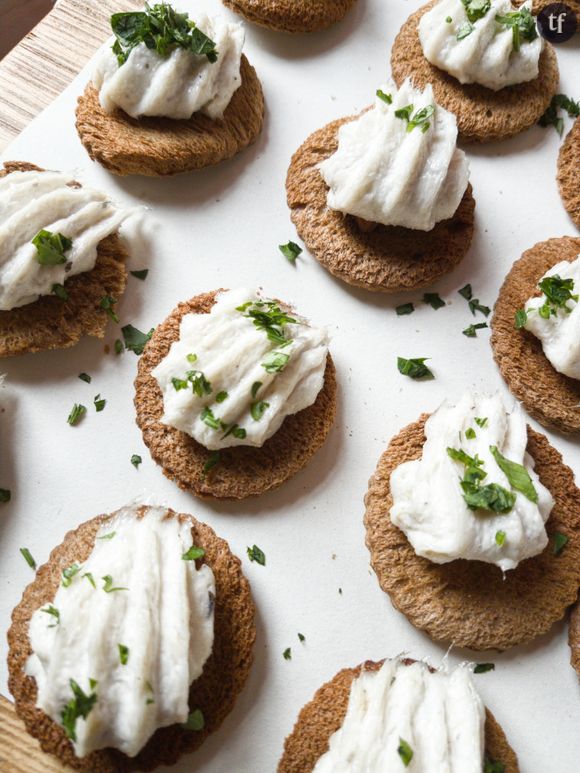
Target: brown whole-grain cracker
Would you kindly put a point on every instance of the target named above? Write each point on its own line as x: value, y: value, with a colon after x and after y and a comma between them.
x: 550, y: 397
x: 51, y: 323
x: 292, y: 15
x: 242, y: 471
x: 470, y: 603
x: 574, y: 637
x: 482, y: 114
x: 325, y: 713
x: 216, y: 690
x: 157, y: 147
x: 387, y: 259
x: 568, y: 174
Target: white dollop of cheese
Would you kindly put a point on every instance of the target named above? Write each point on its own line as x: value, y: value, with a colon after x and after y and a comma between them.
x: 176, y: 86
x: 560, y: 332
x: 163, y: 616
x: 35, y: 201
x: 230, y: 354
x: 428, y: 504
x: 385, y: 173
x: 439, y: 715
x: 486, y: 55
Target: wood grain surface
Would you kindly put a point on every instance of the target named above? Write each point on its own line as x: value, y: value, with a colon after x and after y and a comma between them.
x: 49, y: 57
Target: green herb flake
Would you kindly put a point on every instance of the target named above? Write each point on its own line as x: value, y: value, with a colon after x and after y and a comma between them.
x: 123, y: 654
x: 213, y: 459
x: 387, y: 98
x: 500, y: 538
x: 5, y: 495
x: 209, y: 419
x: 301, y: 637
x: 483, y: 668
x: 136, y: 461
x: 405, y: 752
x: 221, y: 396
x: 108, y: 585
x: 90, y: 578
x: 448, y: 19
x: 471, y: 331
x: 50, y: 248
x: 420, y: 119
x: 275, y: 362
x: 85, y: 377
x: 119, y: 346
x: 108, y: 536
x: 27, y: 555
x: 99, y: 403
x: 255, y: 388
x: 257, y: 409
x: 475, y: 305
x: 107, y: 303
x: 434, y: 300
x: 79, y: 706
x: 195, y: 721
x: 191, y: 358
x: 558, y: 293
x: 76, y: 414
x: 68, y: 574
x: 470, y: 433
x: 476, y: 9
x: 193, y: 554
x: 464, y: 30
x: 257, y: 555
x: 517, y: 475
x: 290, y: 251
x: 404, y: 308
x: 141, y: 274
x: 60, y: 292
x: 179, y: 384
x: 134, y: 339
x: 492, y: 496
x: 493, y: 766
x: 53, y: 611
x: 522, y: 25
x: 199, y: 384
x: 287, y: 654
x: 560, y: 541
x: 414, y: 368
x: 521, y: 317
x: 466, y: 292
x: 552, y: 118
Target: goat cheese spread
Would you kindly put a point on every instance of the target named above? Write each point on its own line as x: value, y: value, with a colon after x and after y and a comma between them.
x: 405, y: 717
x: 176, y: 85
x: 398, y: 164
x: 31, y: 202
x: 473, y: 494
x: 554, y: 317
x: 482, y: 41
x: 127, y: 633
x: 236, y: 373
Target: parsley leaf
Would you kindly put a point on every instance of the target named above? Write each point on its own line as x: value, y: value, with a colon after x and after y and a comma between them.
x: 522, y: 25
x: 195, y: 721
x: 475, y: 305
x: 558, y: 292
x: 476, y: 9
x: 209, y: 419
x: 470, y: 433
x: 134, y: 339
x: 257, y: 409
x: 405, y: 752
x: 99, y: 403
x: 404, y: 308
x: 213, y: 459
x: 464, y: 30
x: 483, y: 668
x: 60, y: 292
x: 434, y: 300
x: 221, y: 396
x: 500, y: 538
x: 419, y: 119
x: 493, y: 766
x: 302, y: 637
x: 385, y: 97
x: 552, y: 118
x: 85, y: 377
x: 123, y: 654
x: 521, y: 318
x: 268, y: 316
x: 80, y: 705
x: 471, y: 331
x: 255, y: 388
x: 119, y: 347
x: 50, y: 248
x: 481, y: 422
x: 257, y: 555
x: 492, y: 496
x: 108, y: 583
x: 290, y: 251
x: 27, y: 555
x: 517, y: 475
x: 414, y: 368
x: 141, y: 274
x: 275, y: 362
x: 136, y: 461
x: 107, y: 304
x: 76, y: 414
x: 560, y: 541
x: 466, y: 292
x: 50, y: 610
x: 68, y: 574
x: 287, y: 654
x: 193, y: 554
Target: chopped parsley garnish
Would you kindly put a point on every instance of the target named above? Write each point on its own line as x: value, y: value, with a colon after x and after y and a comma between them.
x: 476, y: 9
x: 302, y: 637
x: 492, y: 496
x: 193, y: 554
x: 466, y: 292
x: 517, y: 475
x: 290, y: 251
x: 134, y: 339
x: 179, y: 384
x: 448, y: 19
x: 470, y: 433
x: 27, y: 555
x: 434, y: 300
x: 269, y: 317
x: 558, y: 292
x: 471, y: 331
x: 50, y: 248
x: 483, y: 668
x: 255, y: 388
x: 287, y: 654
x: 475, y: 305
x: 522, y: 25
x: 123, y: 654
x: 213, y: 459
x: 141, y: 274
x: 275, y: 362
x: 414, y: 368
x: 162, y: 29
x: 136, y: 461
x: 419, y: 119
x: 481, y: 422
x: 191, y: 358
x: 560, y: 541
x: 80, y: 705
x: 552, y: 118
x: 195, y: 721
x: 405, y: 752
x: 405, y: 308
x: 221, y: 396
x: 257, y: 555
x: 76, y: 414
x: 50, y: 610
x: 387, y: 98
x: 493, y: 766
x: 235, y: 430
x: 90, y: 578
x: 68, y: 574
x: 464, y: 30
x: 257, y: 409
x: 85, y: 377
x: 60, y: 292
x: 99, y: 403
x: 107, y: 304
x: 119, y: 346
x: 500, y: 538
x: 521, y: 318
x: 108, y: 586
x: 5, y: 495
x: 208, y: 418
x: 108, y: 536
x: 199, y: 384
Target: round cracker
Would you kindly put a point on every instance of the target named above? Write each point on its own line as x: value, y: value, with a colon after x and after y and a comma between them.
x: 550, y: 397
x: 470, y: 603
x: 292, y: 15
x: 242, y: 471
x: 157, y: 147
x: 387, y: 259
x: 574, y: 637
x: 568, y: 174
x: 51, y: 323
x: 325, y: 714
x: 216, y: 690
x: 482, y: 114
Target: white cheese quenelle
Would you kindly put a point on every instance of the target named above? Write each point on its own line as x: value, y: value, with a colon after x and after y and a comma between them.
x: 436, y: 719
x: 236, y: 373
x: 468, y: 41
x: 131, y: 627
x: 557, y: 325
x: 34, y: 201
x: 178, y: 84
x: 398, y: 164
x: 463, y: 498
